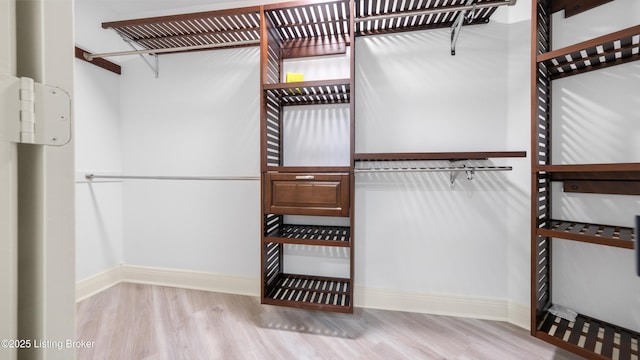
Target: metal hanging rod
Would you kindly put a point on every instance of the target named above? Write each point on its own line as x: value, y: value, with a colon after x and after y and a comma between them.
x: 453, y: 171
x: 433, y: 11
x: 90, y: 57
x: 136, y: 177
x: 436, y: 169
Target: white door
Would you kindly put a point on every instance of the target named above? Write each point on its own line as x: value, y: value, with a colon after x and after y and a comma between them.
x: 37, y: 244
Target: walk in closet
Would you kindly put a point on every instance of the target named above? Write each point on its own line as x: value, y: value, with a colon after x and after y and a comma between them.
x: 372, y: 151
x: 308, y: 163
x: 570, y: 177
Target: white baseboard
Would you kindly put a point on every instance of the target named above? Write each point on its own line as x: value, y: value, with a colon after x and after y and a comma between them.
x: 99, y: 282
x: 197, y: 280
x: 479, y: 308
x: 520, y: 315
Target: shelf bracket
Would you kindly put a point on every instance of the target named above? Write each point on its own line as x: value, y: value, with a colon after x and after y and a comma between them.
x: 457, y: 25
x: 156, y: 68
x: 453, y: 174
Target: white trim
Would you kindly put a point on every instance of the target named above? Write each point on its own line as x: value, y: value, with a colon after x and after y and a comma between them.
x: 472, y: 307
x: 98, y: 282
x: 385, y: 299
x: 188, y: 279
x: 519, y: 315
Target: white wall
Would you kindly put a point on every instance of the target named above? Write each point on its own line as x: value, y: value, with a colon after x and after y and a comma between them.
x: 414, y: 233
x: 596, y: 120
x: 199, y: 118
x: 518, y: 137
x: 98, y: 147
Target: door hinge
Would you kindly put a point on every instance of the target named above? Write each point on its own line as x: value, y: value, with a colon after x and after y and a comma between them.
x: 33, y: 113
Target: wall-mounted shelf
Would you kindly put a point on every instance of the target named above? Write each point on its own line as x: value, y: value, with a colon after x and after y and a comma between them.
x: 375, y: 17
x: 608, y: 50
x: 193, y: 29
x: 452, y: 156
x: 311, y: 92
x: 616, y: 236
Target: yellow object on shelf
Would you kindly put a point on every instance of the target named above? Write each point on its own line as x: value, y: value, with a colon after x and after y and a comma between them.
x: 294, y: 77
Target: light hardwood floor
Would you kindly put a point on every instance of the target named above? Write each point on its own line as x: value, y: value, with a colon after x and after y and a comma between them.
x: 133, y: 321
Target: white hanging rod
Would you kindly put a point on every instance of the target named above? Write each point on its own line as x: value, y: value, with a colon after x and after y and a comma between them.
x: 136, y: 177
x: 436, y: 169
x: 434, y: 11
x: 90, y: 57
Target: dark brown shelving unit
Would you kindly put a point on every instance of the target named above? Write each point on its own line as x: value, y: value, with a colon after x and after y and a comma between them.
x: 587, y: 337
x: 297, y: 30
x: 485, y: 155
x: 374, y: 17
x: 192, y: 29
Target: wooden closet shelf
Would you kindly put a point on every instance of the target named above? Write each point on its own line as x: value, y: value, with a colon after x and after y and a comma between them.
x: 310, y: 292
x: 613, y: 49
x: 617, y: 236
x: 311, y: 235
x: 590, y: 338
x: 622, y: 171
x: 311, y: 92
x: 380, y: 17
x: 301, y: 19
x: 438, y: 156
x: 193, y: 29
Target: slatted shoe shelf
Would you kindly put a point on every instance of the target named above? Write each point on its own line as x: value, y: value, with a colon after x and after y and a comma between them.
x: 292, y: 31
x: 587, y: 336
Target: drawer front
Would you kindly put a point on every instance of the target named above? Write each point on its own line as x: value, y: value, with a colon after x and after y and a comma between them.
x: 306, y: 194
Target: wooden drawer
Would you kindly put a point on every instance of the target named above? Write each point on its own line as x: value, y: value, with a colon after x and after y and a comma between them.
x: 324, y: 194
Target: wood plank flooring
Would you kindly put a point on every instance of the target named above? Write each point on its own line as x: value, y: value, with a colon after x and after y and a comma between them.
x: 133, y: 321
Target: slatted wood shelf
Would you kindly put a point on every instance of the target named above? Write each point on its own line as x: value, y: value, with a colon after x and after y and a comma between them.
x: 310, y: 292
x: 617, y: 236
x: 381, y: 17
x: 311, y: 92
x: 590, y: 338
x: 438, y: 156
x: 311, y: 235
x: 193, y: 29
x: 304, y: 20
x: 613, y: 49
